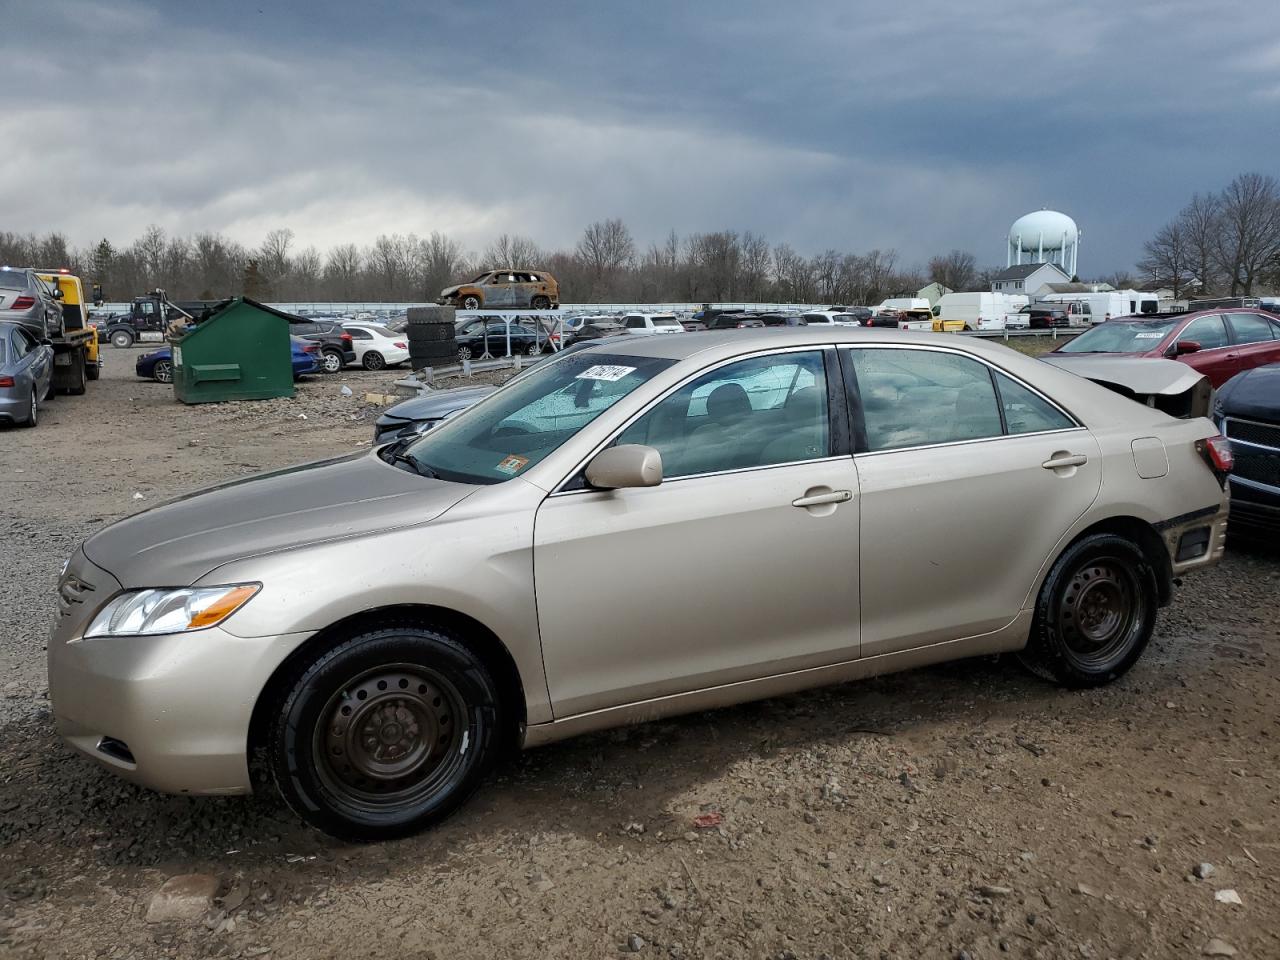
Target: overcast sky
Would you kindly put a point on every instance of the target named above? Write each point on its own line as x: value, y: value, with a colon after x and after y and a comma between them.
x: 915, y: 124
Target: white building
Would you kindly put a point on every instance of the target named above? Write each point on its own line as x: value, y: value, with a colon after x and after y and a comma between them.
x: 1029, y: 279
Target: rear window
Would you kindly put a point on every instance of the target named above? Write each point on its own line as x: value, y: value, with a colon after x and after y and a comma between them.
x: 13, y: 279
x: 1117, y: 337
x: 666, y: 322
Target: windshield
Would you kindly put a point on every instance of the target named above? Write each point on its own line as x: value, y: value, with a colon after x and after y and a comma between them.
x: 1113, y: 337
x: 519, y: 425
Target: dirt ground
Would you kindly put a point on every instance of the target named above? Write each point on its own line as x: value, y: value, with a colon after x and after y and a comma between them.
x: 961, y: 811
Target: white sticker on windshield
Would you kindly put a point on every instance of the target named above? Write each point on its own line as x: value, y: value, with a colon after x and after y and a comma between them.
x: 605, y: 372
x: 1148, y: 336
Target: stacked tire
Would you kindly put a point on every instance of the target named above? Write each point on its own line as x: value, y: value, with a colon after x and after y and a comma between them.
x: 432, y: 337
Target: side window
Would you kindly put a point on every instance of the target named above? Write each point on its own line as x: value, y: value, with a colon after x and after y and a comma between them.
x: 148, y: 308
x: 1251, y: 328
x: 752, y: 413
x: 1025, y: 412
x: 22, y: 343
x: 359, y: 334
x: 534, y: 278
x: 1207, y: 331
x: 912, y: 398
x: 635, y: 323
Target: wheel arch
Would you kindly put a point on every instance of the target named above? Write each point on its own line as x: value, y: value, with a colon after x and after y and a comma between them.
x: 1144, y: 535
x: 469, y: 631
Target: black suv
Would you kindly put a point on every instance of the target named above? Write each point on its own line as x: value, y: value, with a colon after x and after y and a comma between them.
x: 336, y: 346
x: 1247, y: 411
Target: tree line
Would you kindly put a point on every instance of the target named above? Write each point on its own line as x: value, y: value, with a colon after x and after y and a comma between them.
x: 605, y: 265
x: 1220, y: 243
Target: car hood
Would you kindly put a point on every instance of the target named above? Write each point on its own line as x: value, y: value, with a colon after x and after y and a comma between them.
x: 1142, y: 375
x: 179, y: 542
x: 450, y: 291
x: 436, y: 404
x: 1254, y: 394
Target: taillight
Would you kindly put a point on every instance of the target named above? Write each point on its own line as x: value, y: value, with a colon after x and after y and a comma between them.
x: 22, y: 303
x: 401, y: 346
x: 347, y: 337
x: 309, y: 349
x: 1216, y: 452
x: 6, y: 381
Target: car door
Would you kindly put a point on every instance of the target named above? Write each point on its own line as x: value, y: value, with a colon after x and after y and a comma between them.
x: 499, y: 291
x: 1214, y: 358
x: 968, y: 479
x: 34, y: 358
x: 741, y: 564
x: 1255, y: 340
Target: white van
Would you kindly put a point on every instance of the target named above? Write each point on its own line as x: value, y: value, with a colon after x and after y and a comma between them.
x: 1112, y: 303
x: 645, y: 324
x: 981, y: 310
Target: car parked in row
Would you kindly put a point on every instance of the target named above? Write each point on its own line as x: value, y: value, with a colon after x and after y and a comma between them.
x: 497, y: 337
x: 646, y: 324
x: 26, y: 373
x: 601, y: 329
x: 1219, y: 342
x: 376, y: 346
x: 337, y: 347
x: 834, y: 318
x: 1247, y: 411
x: 194, y: 638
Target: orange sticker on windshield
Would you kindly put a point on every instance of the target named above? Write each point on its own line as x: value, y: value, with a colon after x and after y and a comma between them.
x: 513, y: 464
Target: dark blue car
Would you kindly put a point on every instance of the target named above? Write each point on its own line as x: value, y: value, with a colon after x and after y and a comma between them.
x: 158, y: 365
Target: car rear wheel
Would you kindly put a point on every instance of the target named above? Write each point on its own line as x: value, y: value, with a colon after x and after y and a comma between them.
x: 122, y: 339
x: 533, y: 350
x: 162, y: 372
x: 33, y: 410
x: 384, y: 734
x: 373, y: 360
x: 464, y: 353
x: 331, y: 361
x: 1095, y: 613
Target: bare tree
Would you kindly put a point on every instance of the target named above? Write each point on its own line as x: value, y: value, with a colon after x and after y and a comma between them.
x: 1200, y: 221
x: 512, y: 252
x: 957, y: 270
x: 1249, y: 229
x: 342, y: 270
x: 1168, y: 259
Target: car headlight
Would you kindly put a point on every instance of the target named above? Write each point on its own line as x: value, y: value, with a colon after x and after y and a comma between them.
x: 138, y: 613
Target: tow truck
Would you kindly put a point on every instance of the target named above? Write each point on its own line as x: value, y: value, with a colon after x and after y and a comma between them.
x: 75, y: 350
x: 149, y: 317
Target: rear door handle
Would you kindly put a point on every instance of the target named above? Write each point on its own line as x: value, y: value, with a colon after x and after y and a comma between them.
x: 1070, y: 460
x: 818, y: 499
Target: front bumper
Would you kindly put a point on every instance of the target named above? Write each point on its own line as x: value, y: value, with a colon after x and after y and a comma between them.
x: 1255, y: 508
x: 170, y: 712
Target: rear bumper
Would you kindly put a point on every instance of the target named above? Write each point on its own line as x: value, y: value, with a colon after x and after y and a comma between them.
x: 1197, y: 539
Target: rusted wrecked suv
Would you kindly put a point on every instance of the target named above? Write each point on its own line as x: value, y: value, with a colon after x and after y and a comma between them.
x: 505, y: 290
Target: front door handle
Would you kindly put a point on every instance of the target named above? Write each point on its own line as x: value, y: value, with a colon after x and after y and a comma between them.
x: 1065, y: 460
x: 818, y: 499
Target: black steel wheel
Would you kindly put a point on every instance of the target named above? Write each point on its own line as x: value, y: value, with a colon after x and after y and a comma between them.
x: 331, y: 361
x: 162, y: 372
x: 1095, y: 613
x: 373, y: 360
x: 386, y: 733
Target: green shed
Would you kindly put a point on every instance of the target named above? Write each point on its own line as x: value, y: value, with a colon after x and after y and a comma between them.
x: 239, y: 352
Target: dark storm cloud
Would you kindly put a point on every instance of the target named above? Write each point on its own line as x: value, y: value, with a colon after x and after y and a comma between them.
x: 920, y: 126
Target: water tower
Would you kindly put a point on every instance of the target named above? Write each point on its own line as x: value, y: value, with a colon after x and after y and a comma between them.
x: 1045, y: 236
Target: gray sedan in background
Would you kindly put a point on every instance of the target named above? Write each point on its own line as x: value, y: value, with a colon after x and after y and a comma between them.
x: 26, y: 374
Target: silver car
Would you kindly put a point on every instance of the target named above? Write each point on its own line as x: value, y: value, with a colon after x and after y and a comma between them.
x: 26, y: 374
x: 378, y: 627
x: 28, y: 300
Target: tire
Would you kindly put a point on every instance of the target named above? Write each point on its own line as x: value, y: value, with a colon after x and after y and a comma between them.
x: 162, y: 372
x: 533, y: 350
x: 33, y: 411
x: 92, y: 370
x: 470, y: 302
x: 122, y: 339
x: 464, y: 353
x: 373, y: 360
x: 78, y: 385
x: 431, y: 332
x: 1095, y: 613
x: 540, y: 303
x: 331, y: 361
x: 384, y: 734
x: 443, y: 350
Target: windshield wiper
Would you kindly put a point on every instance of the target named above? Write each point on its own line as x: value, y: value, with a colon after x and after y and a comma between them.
x: 394, y: 455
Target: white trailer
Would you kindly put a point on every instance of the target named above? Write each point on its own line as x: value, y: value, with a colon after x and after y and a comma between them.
x: 1110, y: 304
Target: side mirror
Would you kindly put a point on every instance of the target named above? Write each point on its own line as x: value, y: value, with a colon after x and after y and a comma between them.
x: 57, y: 293
x: 46, y: 342
x: 630, y: 465
x: 1186, y: 346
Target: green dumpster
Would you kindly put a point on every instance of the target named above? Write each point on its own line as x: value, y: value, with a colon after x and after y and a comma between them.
x: 239, y: 352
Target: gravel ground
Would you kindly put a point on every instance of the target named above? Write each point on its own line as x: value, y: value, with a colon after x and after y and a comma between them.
x: 961, y: 811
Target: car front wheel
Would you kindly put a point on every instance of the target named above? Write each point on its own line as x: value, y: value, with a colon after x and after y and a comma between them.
x: 385, y: 734
x: 162, y: 371
x: 1095, y: 613
x: 122, y: 339
x: 471, y: 302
